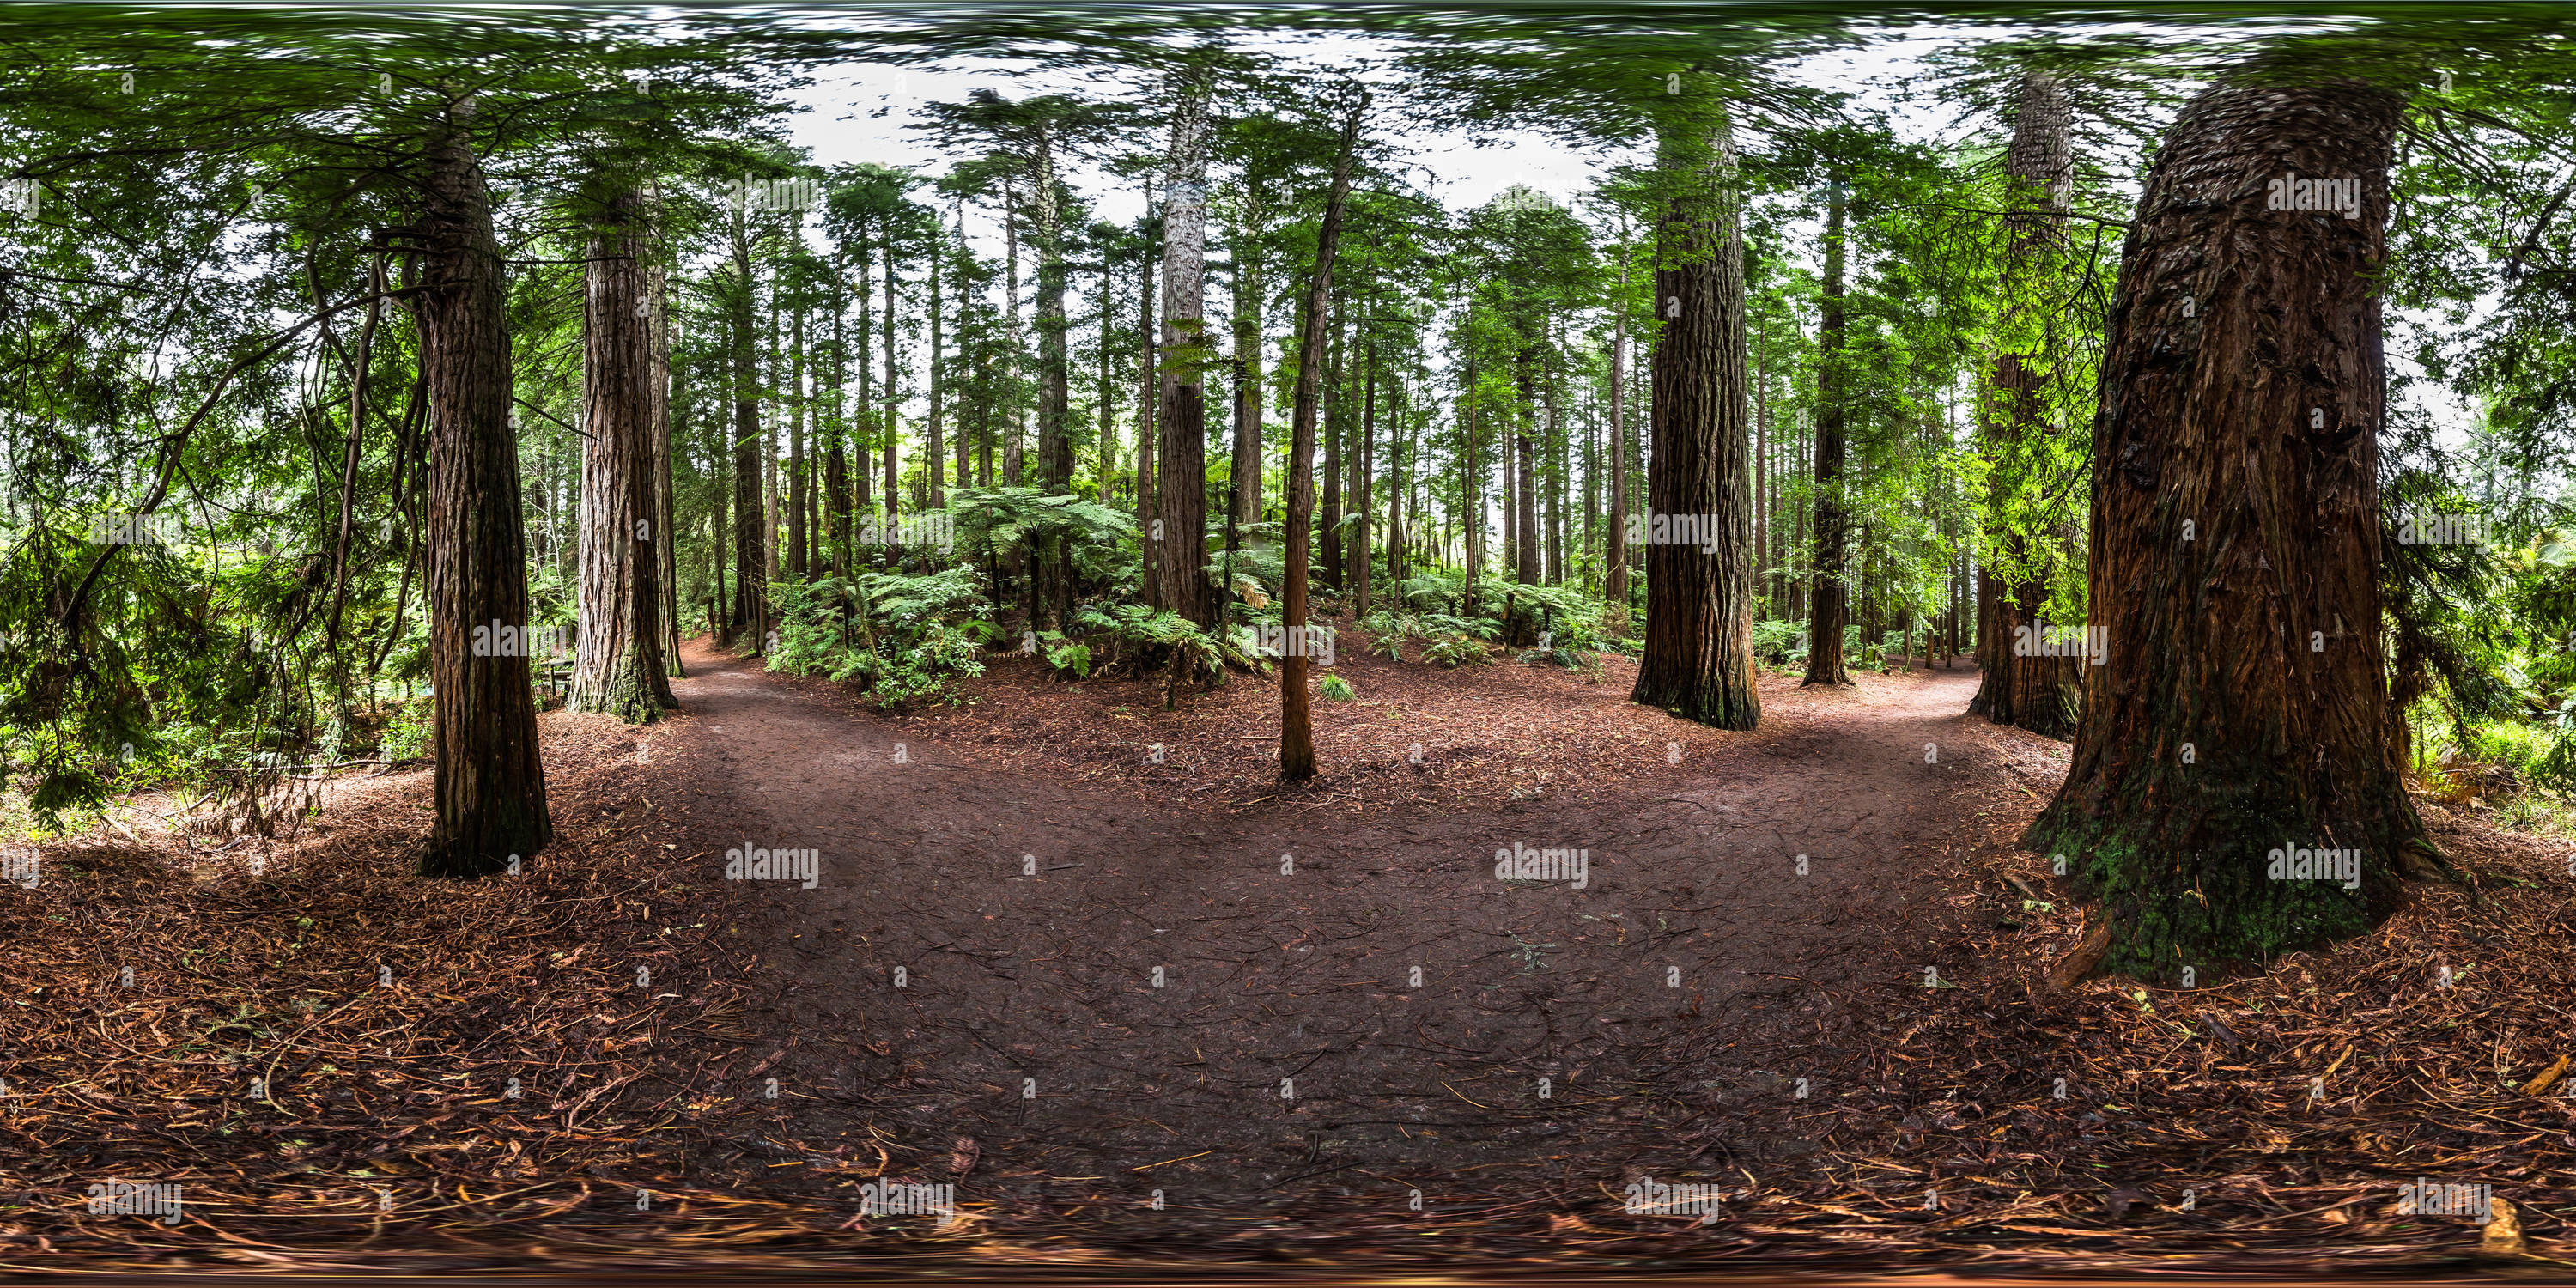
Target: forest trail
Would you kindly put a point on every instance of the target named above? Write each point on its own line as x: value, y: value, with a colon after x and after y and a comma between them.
x: 1288, y: 1044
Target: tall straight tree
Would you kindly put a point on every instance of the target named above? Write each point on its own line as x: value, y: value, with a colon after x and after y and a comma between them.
x: 1698, y: 662
x: 1614, y: 583
x: 2236, y: 524
x: 1254, y: 219
x: 1179, y: 535
x: 618, y: 664
x: 2036, y: 689
x: 489, y: 794
x: 750, y: 536
x: 1830, y: 610
x: 1296, y: 716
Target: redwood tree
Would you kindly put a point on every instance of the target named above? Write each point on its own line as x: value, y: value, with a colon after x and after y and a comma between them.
x: 618, y: 667
x: 1296, y: 717
x: 1179, y: 555
x: 2027, y: 687
x: 490, y: 789
x: 2236, y: 525
x: 1830, y: 610
x: 1698, y: 662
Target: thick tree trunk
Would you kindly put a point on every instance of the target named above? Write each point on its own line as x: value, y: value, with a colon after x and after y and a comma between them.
x: 1829, y: 605
x: 490, y: 789
x: 1698, y: 662
x: 618, y: 667
x: 2031, y: 688
x: 2236, y: 526
x: 1296, y: 717
x: 1180, y: 476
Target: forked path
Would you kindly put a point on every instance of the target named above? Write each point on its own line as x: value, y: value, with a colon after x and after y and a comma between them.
x: 1088, y: 992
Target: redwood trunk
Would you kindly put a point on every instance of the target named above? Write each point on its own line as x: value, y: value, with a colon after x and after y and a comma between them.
x: 489, y: 791
x: 1296, y: 718
x: 1698, y: 662
x: 1830, y: 609
x: 2025, y: 687
x: 1180, y: 476
x: 2236, y: 526
x: 618, y: 668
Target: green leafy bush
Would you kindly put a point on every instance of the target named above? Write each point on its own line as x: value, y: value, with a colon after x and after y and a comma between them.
x: 1455, y: 651
x: 1336, y: 689
x: 893, y: 637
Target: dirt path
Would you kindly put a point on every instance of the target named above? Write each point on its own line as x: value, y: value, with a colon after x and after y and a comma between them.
x: 1669, y: 1004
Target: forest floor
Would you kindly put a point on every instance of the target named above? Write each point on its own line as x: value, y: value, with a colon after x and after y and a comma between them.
x: 1697, y: 1011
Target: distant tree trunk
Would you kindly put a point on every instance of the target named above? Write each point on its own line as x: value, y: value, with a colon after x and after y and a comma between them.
x: 489, y: 792
x: 1471, y: 485
x: 1698, y: 662
x: 893, y: 407
x: 1525, y: 532
x: 618, y: 665
x: 837, y: 470
x: 1051, y: 577
x: 1363, y: 484
x: 1332, y: 424
x: 1830, y: 611
x: 797, y: 465
x: 750, y: 576
x: 1149, y: 547
x: 2028, y: 688
x: 1296, y: 719
x: 1180, y: 477
x: 2236, y: 526
x: 1013, y: 466
x: 1614, y: 585
x: 1557, y: 474
x: 934, y: 449
x: 666, y: 533
x: 1247, y: 354
x: 1105, y: 462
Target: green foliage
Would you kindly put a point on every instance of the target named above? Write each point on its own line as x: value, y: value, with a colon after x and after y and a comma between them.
x: 896, y: 638
x: 1075, y: 658
x: 1456, y: 650
x: 1336, y: 689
